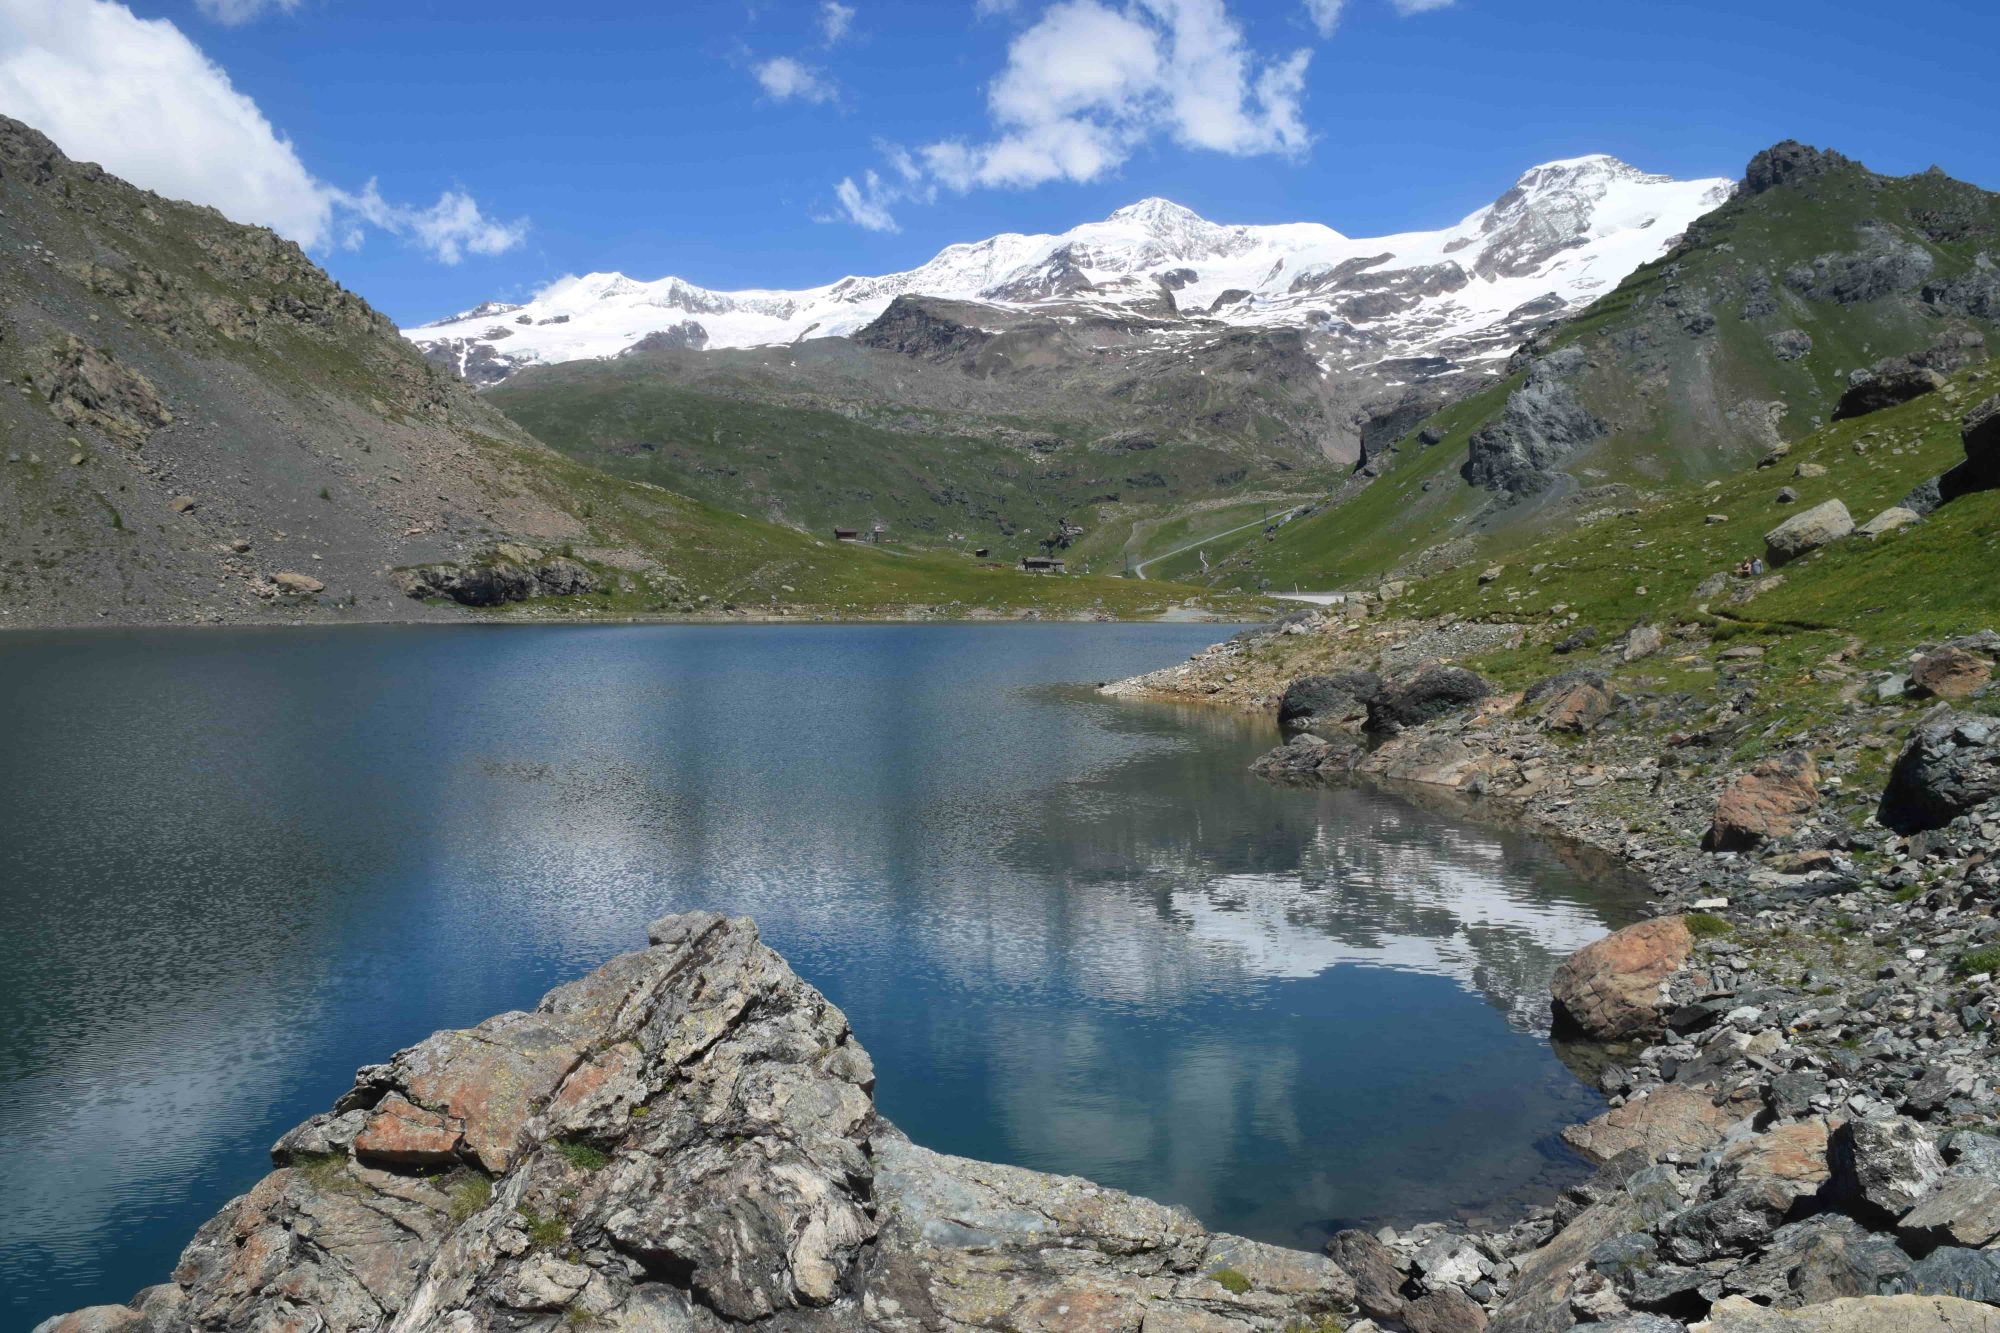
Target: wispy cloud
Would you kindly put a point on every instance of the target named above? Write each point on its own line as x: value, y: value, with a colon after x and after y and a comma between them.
x: 1089, y: 83
x: 1408, y: 7
x: 141, y: 100
x: 1325, y: 15
x: 233, y: 12
x: 785, y: 79
x: 834, y: 21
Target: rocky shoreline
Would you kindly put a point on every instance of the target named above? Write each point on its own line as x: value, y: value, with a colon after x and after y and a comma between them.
x: 1796, y: 1049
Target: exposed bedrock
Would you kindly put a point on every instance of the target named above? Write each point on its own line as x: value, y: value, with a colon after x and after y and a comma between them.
x: 685, y: 1139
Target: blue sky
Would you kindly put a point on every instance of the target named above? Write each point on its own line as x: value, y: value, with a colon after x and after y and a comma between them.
x: 513, y: 142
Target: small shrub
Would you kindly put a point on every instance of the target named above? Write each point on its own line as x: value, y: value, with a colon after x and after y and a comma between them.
x: 327, y: 1172
x: 582, y: 1155
x: 544, y: 1233
x: 1230, y: 1281
x: 1979, y: 960
x: 1909, y: 893
x: 1704, y: 926
x: 469, y: 1192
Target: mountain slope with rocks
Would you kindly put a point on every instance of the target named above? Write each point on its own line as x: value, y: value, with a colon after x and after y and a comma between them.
x: 201, y: 425
x: 1820, y: 291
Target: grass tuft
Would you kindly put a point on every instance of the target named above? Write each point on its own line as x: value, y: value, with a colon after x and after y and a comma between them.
x: 1705, y: 926
x: 1230, y: 1281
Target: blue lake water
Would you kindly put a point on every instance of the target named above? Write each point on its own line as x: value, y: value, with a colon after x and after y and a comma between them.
x: 1074, y: 933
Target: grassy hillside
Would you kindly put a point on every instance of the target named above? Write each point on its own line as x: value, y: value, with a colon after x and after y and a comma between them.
x: 1742, y: 337
x: 1002, y: 453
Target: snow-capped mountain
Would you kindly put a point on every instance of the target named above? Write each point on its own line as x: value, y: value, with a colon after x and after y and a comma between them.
x: 1566, y: 232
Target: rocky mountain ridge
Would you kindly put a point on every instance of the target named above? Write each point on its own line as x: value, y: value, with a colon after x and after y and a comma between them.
x: 1565, y: 232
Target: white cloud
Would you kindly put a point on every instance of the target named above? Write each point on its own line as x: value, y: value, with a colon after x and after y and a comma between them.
x: 448, y: 230
x: 142, y: 101
x: 1409, y: 7
x: 242, y: 11
x: 988, y: 8
x: 834, y: 20
x: 785, y: 79
x: 1325, y: 15
x: 867, y: 204
x: 1090, y: 82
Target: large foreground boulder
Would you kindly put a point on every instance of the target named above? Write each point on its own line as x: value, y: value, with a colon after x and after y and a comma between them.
x: 684, y: 1140
x: 1610, y: 988
x: 1950, y: 764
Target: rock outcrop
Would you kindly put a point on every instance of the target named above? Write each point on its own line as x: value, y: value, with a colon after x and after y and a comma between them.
x: 512, y: 573
x: 686, y: 1139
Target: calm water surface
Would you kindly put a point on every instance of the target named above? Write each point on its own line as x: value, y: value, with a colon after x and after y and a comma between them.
x: 1075, y: 934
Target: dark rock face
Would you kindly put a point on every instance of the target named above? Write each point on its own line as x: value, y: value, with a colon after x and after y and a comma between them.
x: 688, y: 335
x: 684, y: 1140
x: 1543, y: 423
x: 918, y: 328
x: 1430, y: 694
x: 1336, y: 700
x: 1871, y: 391
x: 1898, y: 379
x: 1886, y: 265
x: 1950, y: 764
x: 1789, y: 163
x: 514, y: 574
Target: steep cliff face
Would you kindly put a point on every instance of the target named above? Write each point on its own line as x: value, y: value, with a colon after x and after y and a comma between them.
x: 686, y: 1139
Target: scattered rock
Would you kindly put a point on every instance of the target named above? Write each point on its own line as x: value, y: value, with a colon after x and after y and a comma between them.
x: 1887, y: 1164
x: 1787, y: 495
x: 1378, y: 1283
x: 1808, y: 531
x: 1888, y: 521
x: 1610, y: 988
x: 1643, y: 641
x: 1307, y: 758
x: 297, y: 585
x: 1765, y: 803
x: 1949, y: 673
x: 1574, y: 701
x: 1855, y: 1314
x: 1671, y: 1118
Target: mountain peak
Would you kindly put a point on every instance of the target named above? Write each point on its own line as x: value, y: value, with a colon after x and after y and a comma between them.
x: 1156, y: 212
x: 1570, y: 171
